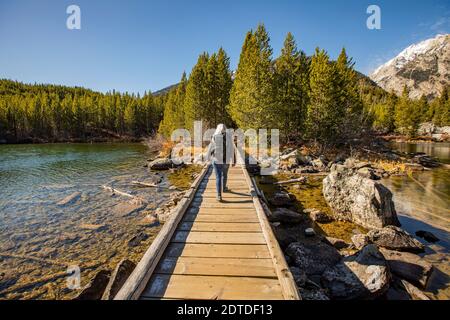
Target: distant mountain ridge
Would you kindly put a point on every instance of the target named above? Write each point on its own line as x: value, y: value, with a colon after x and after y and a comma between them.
x: 423, y: 67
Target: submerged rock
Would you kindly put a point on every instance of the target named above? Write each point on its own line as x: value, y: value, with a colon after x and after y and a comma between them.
x: 319, y: 216
x: 356, y: 198
x: 394, y: 238
x: 137, y: 239
x: 125, y: 209
x: 118, y: 278
x: 408, y: 266
x: 313, y: 258
x: 364, y: 275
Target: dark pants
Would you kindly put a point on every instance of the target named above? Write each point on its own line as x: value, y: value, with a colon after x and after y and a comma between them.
x: 221, y: 171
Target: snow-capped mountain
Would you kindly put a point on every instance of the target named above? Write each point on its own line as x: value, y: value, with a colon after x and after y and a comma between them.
x: 423, y: 67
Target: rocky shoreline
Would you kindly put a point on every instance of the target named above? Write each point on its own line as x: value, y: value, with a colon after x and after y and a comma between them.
x: 374, y: 258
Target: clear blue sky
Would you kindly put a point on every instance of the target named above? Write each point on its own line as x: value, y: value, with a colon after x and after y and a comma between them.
x: 146, y: 45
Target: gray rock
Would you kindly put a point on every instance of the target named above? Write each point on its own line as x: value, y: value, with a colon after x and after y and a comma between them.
x: 309, y: 232
x: 281, y: 199
x: 313, y: 258
x: 414, y: 292
x: 313, y: 294
x: 319, y: 216
x: 394, y: 238
x: 94, y: 290
x: 161, y: 164
x: 150, y: 220
x: 286, y: 234
x: 364, y: 275
x: 299, y: 276
x: 286, y: 216
x: 118, y: 278
x: 358, y: 199
x: 320, y: 163
x: 360, y: 241
x: 408, y: 266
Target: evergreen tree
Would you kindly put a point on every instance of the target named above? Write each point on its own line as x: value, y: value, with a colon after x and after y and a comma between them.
x: 325, y: 115
x: 291, y: 86
x: 251, y: 97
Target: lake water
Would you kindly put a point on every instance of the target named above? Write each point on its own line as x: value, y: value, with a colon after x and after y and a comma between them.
x: 39, y: 239
x: 423, y: 203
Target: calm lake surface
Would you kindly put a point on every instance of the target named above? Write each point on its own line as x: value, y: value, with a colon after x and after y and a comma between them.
x: 39, y: 239
x: 423, y: 203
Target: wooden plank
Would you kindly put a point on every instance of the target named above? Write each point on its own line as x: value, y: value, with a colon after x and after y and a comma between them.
x: 211, y: 287
x: 217, y: 267
x: 219, y: 237
x: 228, y: 205
x: 219, y: 227
x: 225, y: 196
x: 254, y: 251
x: 220, y: 218
x: 222, y: 211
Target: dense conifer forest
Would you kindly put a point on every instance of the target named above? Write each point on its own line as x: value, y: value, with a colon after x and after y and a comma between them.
x: 306, y: 97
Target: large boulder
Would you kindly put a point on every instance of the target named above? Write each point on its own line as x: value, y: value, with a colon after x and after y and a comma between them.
x: 408, y: 266
x: 394, y: 238
x: 313, y: 258
x: 354, y: 197
x: 364, y: 275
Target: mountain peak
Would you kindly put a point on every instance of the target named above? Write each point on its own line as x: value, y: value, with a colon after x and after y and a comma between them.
x: 423, y: 67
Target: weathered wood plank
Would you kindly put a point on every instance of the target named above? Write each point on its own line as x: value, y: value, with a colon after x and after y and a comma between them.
x: 222, y: 211
x: 212, y: 287
x: 220, y: 218
x: 219, y: 237
x: 217, y: 267
x: 219, y: 227
x: 249, y: 251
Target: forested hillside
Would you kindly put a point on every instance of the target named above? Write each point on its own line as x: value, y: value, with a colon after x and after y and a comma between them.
x: 315, y: 98
x: 57, y: 113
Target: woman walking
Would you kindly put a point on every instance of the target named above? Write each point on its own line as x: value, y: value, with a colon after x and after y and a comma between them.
x: 218, y: 152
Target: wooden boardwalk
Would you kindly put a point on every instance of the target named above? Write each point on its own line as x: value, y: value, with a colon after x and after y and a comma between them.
x: 214, y: 250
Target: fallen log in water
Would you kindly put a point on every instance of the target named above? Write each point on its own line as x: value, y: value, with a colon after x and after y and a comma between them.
x: 115, y: 191
x: 143, y: 184
x: 299, y: 180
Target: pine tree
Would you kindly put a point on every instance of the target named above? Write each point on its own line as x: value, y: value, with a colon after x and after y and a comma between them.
x: 406, y: 121
x: 349, y: 99
x: 225, y: 83
x: 251, y: 97
x: 324, y: 115
x: 291, y: 86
